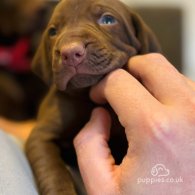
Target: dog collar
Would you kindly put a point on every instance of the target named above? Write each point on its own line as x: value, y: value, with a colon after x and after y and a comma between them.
x: 15, y: 57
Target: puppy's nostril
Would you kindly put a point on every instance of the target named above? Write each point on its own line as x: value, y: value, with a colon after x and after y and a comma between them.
x: 78, y: 55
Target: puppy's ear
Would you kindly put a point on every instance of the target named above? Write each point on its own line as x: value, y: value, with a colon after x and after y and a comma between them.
x: 41, y: 64
x: 141, y: 35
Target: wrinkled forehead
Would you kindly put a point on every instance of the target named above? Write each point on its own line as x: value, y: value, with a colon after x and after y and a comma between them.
x: 76, y: 9
x: 86, y: 3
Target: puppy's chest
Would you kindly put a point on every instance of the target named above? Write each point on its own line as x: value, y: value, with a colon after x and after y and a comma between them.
x: 82, y: 111
x: 77, y: 115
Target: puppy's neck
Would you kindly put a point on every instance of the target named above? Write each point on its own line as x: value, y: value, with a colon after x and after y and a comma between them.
x: 81, y: 93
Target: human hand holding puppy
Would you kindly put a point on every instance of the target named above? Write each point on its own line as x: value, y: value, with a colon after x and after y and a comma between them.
x: 158, y: 113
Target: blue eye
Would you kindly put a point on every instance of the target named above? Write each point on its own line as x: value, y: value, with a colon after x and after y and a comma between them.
x: 107, y: 20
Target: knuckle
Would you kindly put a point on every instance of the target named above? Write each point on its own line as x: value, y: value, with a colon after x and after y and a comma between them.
x: 156, y: 56
x: 159, y: 60
x: 159, y: 125
x: 150, y: 62
x: 151, y: 57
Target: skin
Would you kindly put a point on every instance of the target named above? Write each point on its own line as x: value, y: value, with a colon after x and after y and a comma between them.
x: 159, y: 129
x: 156, y: 105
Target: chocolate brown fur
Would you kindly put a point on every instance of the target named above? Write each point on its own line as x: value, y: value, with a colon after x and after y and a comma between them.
x: 77, y: 50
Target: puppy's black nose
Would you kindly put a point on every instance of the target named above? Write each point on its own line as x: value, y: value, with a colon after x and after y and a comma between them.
x: 73, y: 54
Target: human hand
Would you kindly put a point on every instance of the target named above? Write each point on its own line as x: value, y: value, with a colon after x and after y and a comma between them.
x: 157, y: 110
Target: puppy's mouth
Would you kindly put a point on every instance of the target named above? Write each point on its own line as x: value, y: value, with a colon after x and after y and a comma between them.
x: 84, y: 80
x: 71, y: 79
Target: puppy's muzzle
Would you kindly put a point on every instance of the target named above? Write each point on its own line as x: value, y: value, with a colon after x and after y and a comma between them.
x: 72, y: 54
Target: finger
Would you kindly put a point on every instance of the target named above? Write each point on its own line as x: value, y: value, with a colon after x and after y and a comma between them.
x: 159, y: 77
x: 94, y: 157
x: 129, y: 99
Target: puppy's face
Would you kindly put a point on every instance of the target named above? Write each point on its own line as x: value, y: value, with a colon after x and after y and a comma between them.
x: 86, y: 39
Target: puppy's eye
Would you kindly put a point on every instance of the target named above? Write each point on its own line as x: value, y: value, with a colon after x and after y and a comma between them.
x: 107, y: 20
x: 52, y: 31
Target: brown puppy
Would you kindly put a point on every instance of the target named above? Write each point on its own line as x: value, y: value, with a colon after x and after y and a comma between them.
x: 84, y: 40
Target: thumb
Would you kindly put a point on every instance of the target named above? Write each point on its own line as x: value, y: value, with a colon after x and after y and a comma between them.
x: 94, y: 157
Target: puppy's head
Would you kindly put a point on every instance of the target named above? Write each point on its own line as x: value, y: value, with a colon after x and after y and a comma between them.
x: 86, y: 39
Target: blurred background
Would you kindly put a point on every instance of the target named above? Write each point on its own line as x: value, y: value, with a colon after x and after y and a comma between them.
x: 21, y: 25
x: 23, y: 21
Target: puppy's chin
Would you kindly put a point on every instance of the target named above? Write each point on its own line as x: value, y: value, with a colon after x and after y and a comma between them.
x: 78, y: 82
x: 83, y: 81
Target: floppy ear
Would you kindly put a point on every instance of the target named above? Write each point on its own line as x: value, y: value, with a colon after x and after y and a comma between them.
x: 148, y: 40
x: 140, y: 34
x: 41, y: 64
